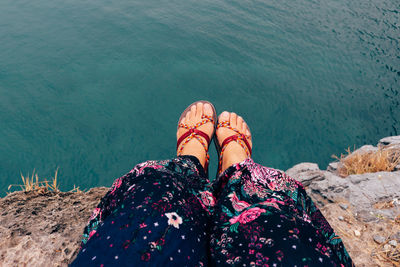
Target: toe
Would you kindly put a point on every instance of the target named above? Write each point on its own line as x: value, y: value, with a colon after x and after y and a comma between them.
x: 240, y: 124
x: 224, y: 116
x: 199, y: 110
x: 246, y: 129
x: 183, y: 120
x: 233, y: 120
x: 208, y: 110
x: 248, y: 133
x: 187, y: 117
x: 179, y: 132
x: 193, y: 112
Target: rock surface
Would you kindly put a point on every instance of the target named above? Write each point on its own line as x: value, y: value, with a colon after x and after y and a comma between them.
x: 361, y: 191
x: 379, y: 239
x: 363, y: 209
x: 44, y: 228
x: 306, y: 173
x: 390, y: 140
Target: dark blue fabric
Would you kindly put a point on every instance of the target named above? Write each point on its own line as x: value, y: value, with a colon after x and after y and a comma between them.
x: 166, y: 213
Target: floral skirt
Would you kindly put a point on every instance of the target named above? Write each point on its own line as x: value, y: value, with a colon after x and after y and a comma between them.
x: 168, y: 213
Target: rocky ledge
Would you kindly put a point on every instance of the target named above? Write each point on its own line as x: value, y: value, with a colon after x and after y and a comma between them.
x: 364, y: 209
x: 41, y: 228
x: 363, y: 192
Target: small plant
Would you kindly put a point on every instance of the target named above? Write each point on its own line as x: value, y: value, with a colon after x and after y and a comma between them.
x: 30, y: 183
x: 372, y: 161
x: 75, y: 189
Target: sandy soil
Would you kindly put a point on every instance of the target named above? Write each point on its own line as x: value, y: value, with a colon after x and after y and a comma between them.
x: 362, y: 248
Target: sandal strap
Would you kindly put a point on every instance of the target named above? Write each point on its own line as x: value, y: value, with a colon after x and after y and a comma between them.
x: 193, y: 132
x: 240, y: 138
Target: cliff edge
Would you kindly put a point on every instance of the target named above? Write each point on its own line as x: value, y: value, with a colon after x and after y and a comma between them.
x: 40, y: 228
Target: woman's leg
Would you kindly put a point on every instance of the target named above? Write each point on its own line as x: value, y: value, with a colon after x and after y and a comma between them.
x: 265, y: 218
x: 151, y: 215
x: 157, y: 214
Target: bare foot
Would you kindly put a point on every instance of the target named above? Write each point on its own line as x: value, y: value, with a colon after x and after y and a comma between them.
x: 234, y: 152
x: 194, y: 147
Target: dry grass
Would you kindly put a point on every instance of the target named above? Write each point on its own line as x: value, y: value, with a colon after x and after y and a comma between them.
x: 370, y: 253
x: 383, y: 159
x: 384, y: 205
x: 386, y: 253
x: 30, y: 183
x: 75, y: 189
x: 373, y: 161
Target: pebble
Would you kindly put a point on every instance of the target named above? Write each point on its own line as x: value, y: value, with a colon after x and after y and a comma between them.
x: 393, y: 243
x: 357, y: 233
x: 340, y: 218
x: 387, y: 247
x: 343, y: 206
x: 396, y: 236
x: 379, y: 239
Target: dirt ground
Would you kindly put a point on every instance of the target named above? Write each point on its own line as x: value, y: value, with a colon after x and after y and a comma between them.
x: 361, y: 245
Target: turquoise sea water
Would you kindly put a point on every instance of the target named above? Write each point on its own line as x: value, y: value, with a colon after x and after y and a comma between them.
x: 94, y: 87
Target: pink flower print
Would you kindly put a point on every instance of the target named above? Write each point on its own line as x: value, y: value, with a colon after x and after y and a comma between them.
x: 117, y: 183
x: 143, y: 225
x: 161, y: 242
x: 95, y: 212
x: 145, y: 256
x: 261, y: 260
x: 236, y: 176
x: 156, y: 167
x: 91, y: 233
x: 144, y: 165
x: 207, y: 198
x: 279, y: 255
x: 272, y: 202
x: 153, y: 245
x: 237, y: 259
x: 249, y: 187
x: 247, y: 216
x: 174, y: 219
x: 126, y: 244
x: 236, y: 203
x: 306, y: 218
